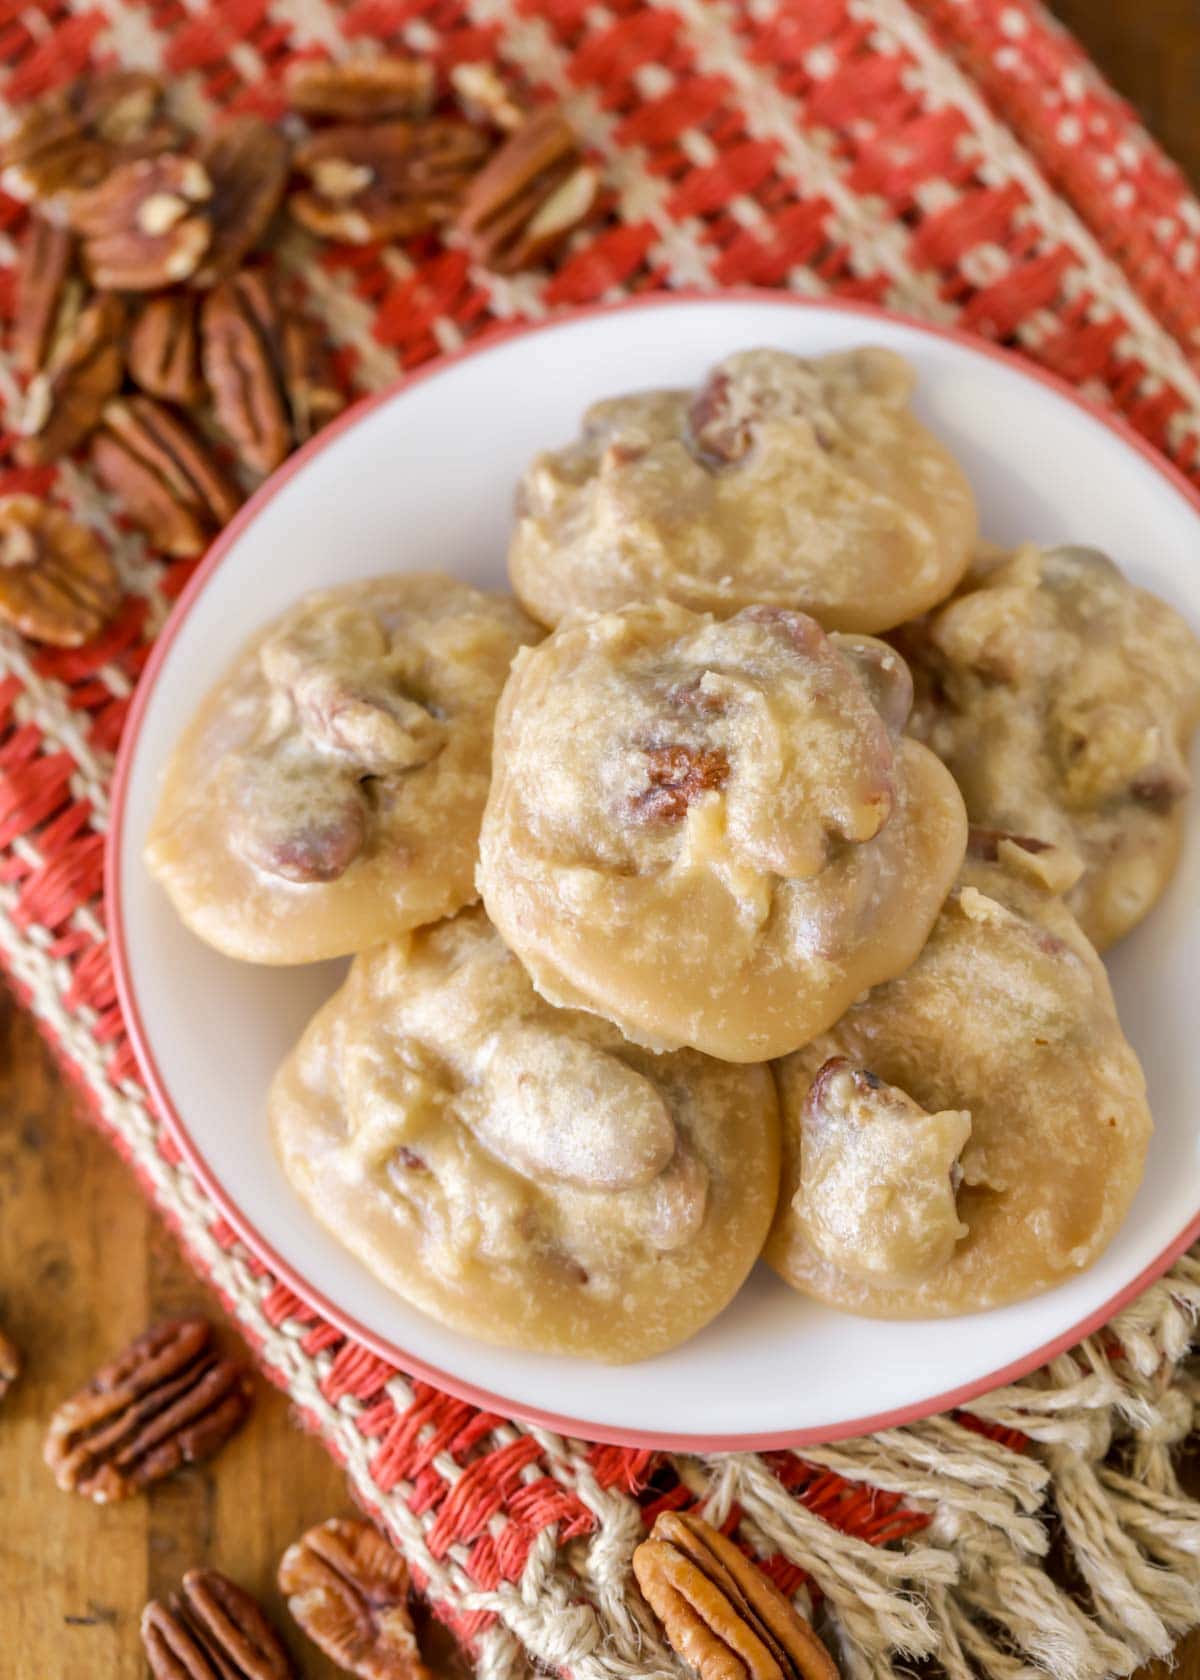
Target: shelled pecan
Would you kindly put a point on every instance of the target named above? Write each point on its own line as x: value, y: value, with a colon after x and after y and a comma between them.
x: 384, y: 180
x: 163, y: 475
x: 348, y: 1589
x: 164, y: 348
x: 361, y: 89
x: 211, y: 1627
x: 264, y: 370
x: 66, y: 399
x: 49, y: 294
x: 70, y: 139
x: 10, y: 1364
x: 147, y: 224
x: 532, y: 194
x: 484, y: 97
x: 247, y: 162
x: 721, y: 1613
x: 57, y: 584
x: 166, y: 1400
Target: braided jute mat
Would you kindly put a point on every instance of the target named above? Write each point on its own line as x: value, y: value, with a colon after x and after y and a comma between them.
x: 956, y: 159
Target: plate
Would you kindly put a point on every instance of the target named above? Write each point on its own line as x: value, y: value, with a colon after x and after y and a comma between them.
x: 422, y: 476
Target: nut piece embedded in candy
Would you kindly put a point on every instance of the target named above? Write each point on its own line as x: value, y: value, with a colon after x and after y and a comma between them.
x: 211, y: 1626
x: 72, y: 138
x: 166, y: 1400
x: 57, y: 584
x: 721, y: 1613
x: 531, y: 196
x: 164, y: 350
x: 246, y: 160
x: 361, y: 89
x: 164, y: 476
x: 384, y: 180
x: 146, y: 225
x: 65, y: 401
x: 347, y: 1587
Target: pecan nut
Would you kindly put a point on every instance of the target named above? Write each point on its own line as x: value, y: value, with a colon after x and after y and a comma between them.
x: 246, y: 161
x: 361, y: 89
x: 163, y: 475
x: 721, y: 1613
x: 525, y: 203
x: 211, y: 1626
x: 312, y: 392
x: 57, y: 584
x: 49, y: 294
x: 164, y: 348
x: 347, y: 1587
x: 66, y: 399
x: 10, y: 1364
x: 72, y: 138
x: 385, y: 180
x: 147, y: 224
x: 484, y: 98
x: 677, y: 775
x: 166, y: 1400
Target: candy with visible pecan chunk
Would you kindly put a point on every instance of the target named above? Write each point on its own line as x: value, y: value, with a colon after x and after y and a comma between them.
x: 57, y: 584
x: 348, y: 1589
x: 247, y: 162
x: 66, y: 400
x: 163, y: 475
x: 721, y: 1613
x: 211, y: 1627
x: 147, y: 224
x: 10, y: 1364
x: 164, y: 349
x: 73, y: 137
x: 49, y: 294
x: 362, y: 89
x: 386, y: 180
x: 531, y: 196
x: 166, y: 1400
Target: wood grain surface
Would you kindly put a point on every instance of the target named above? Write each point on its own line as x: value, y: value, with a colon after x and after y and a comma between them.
x: 84, y: 1264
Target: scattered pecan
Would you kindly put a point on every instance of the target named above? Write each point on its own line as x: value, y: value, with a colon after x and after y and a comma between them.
x: 57, y: 584
x: 678, y: 774
x: 247, y: 162
x: 163, y: 475
x: 721, y: 1613
x: 72, y: 138
x: 522, y: 206
x: 312, y: 392
x: 168, y: 1399
x: 211, y: 1627
x: 348, y: 1589
x: 147, y: 225
x: 385, y: 181
x: 66, y: 399
x: 49, y: 294
x: 164, y: 348
x: 10, y: 1364
x: 362, y: 89
x: 484, y: 98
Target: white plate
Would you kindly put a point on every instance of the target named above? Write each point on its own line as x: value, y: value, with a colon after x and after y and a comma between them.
x: 423, y: 477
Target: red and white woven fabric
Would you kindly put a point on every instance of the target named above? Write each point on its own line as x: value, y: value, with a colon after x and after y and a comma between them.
x: 959, y: 160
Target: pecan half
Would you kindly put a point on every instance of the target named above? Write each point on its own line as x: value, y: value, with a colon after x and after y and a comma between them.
x: 385, y: 181
x: 163, y: 475
x: 49, y: 294
x: 10, y: 1364
x: 211, y: 1627
x: 247, y: 162
x: 164, y: 348
x: 347, y: 1587
x: 166, y: 1400
x: 57, y: 584
x: 72, y: 138
x: 678, y: 775
x: 721, y: 1613
x: 312, y: 392
x: 484, y: 97
x: 147, y: 225
x: 66, y: 399
x: 530, y: 197
x: 361, y: 89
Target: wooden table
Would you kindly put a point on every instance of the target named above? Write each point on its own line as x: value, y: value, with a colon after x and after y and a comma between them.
x: 84, y: 1264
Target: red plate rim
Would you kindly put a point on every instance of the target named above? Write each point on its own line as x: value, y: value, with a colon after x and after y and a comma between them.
x: 126, y: 991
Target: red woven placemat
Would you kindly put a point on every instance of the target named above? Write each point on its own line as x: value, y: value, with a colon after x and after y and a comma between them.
x: 956, y: 159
